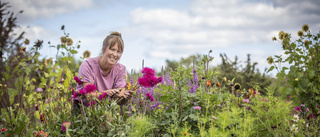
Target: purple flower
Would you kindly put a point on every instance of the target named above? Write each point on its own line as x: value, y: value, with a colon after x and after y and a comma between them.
x: 289, y: 96
x: 245, y: 100
x: 149, y: 96
x: 39, y: 90
x: 61, y: 80
x: 298, y: 109
x: 77, y: 80
x: 193, y: 83
x: 197, y: 108
x: 155, y: 105
x: 90, y: 88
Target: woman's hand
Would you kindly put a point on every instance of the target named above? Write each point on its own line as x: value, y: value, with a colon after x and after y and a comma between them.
x: 111, y: 92
x: 128, y: 94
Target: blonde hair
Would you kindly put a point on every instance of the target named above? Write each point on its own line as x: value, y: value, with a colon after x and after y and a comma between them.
x: 111, y: 40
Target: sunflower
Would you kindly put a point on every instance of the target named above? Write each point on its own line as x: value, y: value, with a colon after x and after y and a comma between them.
x: 86, y: 54
x: 305, y: 27
x: 63, y: 39
x: 48, y: 61
x: 300, y: 33
x: 27, y: 41
x: 270, y: 60
x: 306, y: 42
x: 274, y: 38
x: 38, y: 43
x: 69, y: 41
x: 281, y: 35
x: 23, y: 49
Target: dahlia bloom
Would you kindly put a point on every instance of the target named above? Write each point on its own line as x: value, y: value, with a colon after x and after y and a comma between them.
x: 149, y: 96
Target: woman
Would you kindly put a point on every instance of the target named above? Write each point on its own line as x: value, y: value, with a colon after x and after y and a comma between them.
x: 105, y: 72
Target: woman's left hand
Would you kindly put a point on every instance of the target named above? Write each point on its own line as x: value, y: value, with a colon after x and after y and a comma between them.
x: 128, y: 94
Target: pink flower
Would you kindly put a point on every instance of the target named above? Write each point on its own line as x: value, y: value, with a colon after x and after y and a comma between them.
x: 77, y: 80
x: 149, y: 96
x: 104, y: 95
x: 311, y: 115
x: 214, y: 117
x: 82, y: 91
x: 90, y: 88
x: 245, y: 100
x: 197, y: 108
x: 147, y: 71
x: 39, y: 90
x: 149, y: 79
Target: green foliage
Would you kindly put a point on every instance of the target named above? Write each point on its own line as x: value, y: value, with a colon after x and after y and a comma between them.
x: 301, y: 76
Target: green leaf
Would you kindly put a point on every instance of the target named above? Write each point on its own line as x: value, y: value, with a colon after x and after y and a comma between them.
x: 12, y: 93
x: 73, y: 51
x: 311, y: 74
x: 288, y: 91
x: 270, y: 69
x: 303, y: 84
x: 165, y: 98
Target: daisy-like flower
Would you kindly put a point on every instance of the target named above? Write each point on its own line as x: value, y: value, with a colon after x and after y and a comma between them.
x: 69, y: 41
x: 295, y: 118
x: 23, y: 49
x: 48, y: 61
x: 305, y: 27
x: 281, y: 35
x: 63, y: 39
x: 86, y: 54
x: 27, y: 41
x: 41, y: 134
x: 270, y: 60
x: 197, y: 108
x: 274, y: 38
x: 65, y: 125
x: 294, y: 128
x: 300, y: 33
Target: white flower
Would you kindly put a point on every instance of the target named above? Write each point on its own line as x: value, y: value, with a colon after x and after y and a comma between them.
x: 295, y: 118
x: 294, y: 128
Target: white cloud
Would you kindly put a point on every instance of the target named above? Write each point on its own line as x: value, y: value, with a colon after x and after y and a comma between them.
x: 47, y: 8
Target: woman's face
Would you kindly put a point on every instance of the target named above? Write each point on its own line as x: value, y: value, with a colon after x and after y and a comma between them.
x: 112, y: 55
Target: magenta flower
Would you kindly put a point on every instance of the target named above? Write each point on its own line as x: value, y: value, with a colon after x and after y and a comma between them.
x: 149, y: 79
x: 298, y: 109
x: 77, y: 80
x: 311, y: 115
x: 102, y: 96
x: 92, y: 103
x: 90, y: 88
x: 82, y: 91
x: 149, y: 96
x: 197, y: 108
x: 65, y: 125
x: 246, y: 100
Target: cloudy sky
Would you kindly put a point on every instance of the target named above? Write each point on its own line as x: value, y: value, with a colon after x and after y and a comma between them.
x: 169, y: 29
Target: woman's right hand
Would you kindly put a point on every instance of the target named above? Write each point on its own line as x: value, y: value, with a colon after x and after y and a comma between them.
x: 110, y: 92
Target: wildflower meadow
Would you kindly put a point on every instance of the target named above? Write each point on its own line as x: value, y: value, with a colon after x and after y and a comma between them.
x: 187, y: 101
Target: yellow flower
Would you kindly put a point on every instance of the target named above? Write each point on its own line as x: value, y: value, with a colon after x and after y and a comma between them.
x: 27, y: 41
x: 296, y: 79
x: 300, y: 33
x: 23, y: 49
x: 48, y: 61
x: 86, y: 54
x: 0, y: 85
x: 69, y: 41
x: 5, y: 85
x: 63, y: 40
x: 305, y: 27
x: 270, y: 60
x: 281, y: 35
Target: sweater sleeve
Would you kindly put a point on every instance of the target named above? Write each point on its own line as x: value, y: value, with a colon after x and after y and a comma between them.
x: 121, y: 78
x: 86, y: 72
